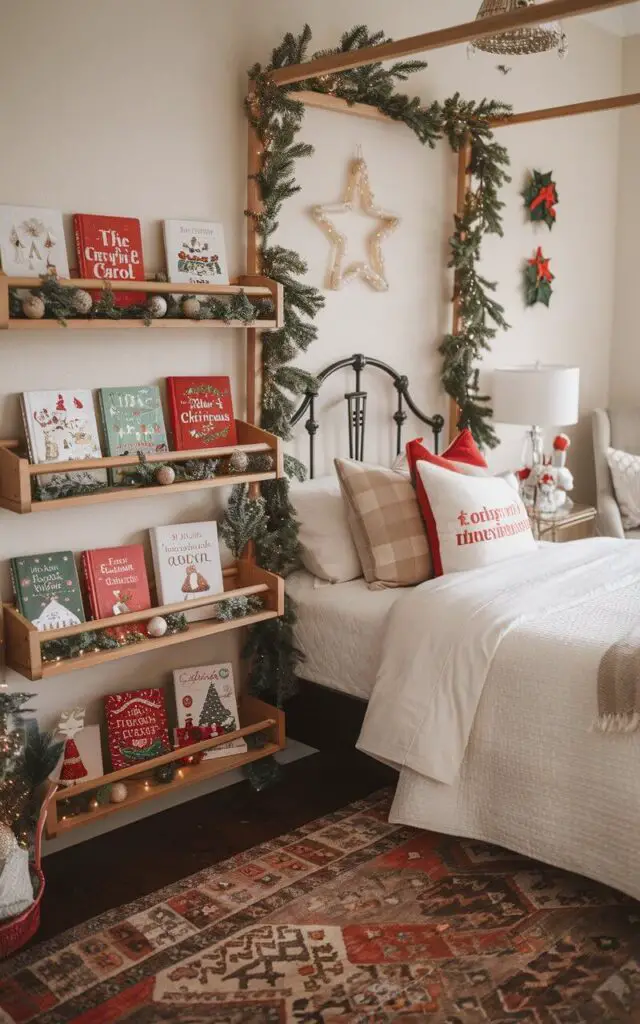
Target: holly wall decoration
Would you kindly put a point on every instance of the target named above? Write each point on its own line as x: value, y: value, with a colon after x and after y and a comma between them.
x: 541, y: 197
x: 538, y: 279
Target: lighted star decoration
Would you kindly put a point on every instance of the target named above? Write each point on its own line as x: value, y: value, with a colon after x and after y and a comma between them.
x: 358, y: 195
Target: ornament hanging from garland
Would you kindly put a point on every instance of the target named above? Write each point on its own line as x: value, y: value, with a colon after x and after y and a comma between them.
x: 358, y: 195
x: 541, y: 198
x: 538, y: 280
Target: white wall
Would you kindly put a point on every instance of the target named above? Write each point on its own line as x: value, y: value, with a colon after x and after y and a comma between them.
x: 625, y: 361
x: 136, y: 109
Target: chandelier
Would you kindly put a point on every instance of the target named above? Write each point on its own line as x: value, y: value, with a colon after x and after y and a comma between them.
x: 541, y: 38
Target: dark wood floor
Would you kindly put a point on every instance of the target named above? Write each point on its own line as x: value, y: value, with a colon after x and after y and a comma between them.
x: 130, y: 862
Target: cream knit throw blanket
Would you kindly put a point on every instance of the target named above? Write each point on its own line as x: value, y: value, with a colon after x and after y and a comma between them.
x: 619, y: 686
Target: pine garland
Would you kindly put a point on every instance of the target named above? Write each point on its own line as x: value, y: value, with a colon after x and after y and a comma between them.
x: 276, y: 117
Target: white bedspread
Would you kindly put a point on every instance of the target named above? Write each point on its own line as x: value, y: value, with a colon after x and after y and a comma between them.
x: 486, y: 696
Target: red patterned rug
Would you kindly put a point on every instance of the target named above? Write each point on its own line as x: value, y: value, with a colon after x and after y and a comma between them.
x: 348, y: 919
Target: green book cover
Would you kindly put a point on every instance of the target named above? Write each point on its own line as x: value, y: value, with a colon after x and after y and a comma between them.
x: 133, y: 421
x: 47, y: 590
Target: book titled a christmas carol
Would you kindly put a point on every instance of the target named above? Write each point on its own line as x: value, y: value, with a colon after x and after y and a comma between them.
x: 206, y: 704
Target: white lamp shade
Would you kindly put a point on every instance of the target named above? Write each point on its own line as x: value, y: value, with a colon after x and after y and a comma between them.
x: 544, y: 396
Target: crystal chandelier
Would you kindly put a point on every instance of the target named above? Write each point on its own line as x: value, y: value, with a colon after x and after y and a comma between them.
x: 541, y: 38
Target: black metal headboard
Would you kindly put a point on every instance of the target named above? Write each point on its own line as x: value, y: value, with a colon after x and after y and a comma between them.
x: 357, y: 408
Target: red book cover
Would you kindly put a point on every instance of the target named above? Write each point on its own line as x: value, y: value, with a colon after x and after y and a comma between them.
x: 116, y: 580
x: 201, y: 412
x: 110, y: 249
x: 136, y: 726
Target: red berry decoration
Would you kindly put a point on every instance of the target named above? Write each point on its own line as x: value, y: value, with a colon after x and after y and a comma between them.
x: 538, y: 280
x: 541, y: 198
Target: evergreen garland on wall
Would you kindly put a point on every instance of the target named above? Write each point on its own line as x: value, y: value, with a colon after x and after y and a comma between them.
x: 277, y: 117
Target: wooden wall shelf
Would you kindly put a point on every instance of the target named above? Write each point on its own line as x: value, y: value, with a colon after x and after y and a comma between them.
x: 23, y: 641
x: 254, y: 716
x: 16, y: 472
x: 254, y: 286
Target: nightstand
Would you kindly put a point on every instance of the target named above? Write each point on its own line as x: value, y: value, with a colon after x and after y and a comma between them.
x: 574, y: 524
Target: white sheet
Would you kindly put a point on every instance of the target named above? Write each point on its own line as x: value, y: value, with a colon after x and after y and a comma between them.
x: 520, y: 686
x: 339, y: 630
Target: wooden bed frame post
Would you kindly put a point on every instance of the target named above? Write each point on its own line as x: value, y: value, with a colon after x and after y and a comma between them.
x: 463, y: 185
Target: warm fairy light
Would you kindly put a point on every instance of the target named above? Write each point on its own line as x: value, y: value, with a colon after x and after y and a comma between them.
x: 180, y: 773
x: 147, y: 784
x: 372, y: 272
x: 93, y: 805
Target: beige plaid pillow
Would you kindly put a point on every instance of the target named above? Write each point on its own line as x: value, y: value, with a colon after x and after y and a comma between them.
x: 385, y: 521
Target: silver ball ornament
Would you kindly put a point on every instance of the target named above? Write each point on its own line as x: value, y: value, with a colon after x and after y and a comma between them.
x: 165, y: 476
x: 157, y: 306
x: 191, y: 308
x: 33, y: 307
x: 118, y: 793
x: 81, y: 301
x: 157, y: 626
x: 238, y: 462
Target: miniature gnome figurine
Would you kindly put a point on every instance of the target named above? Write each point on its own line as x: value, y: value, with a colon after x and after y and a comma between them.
x: 73, y: 769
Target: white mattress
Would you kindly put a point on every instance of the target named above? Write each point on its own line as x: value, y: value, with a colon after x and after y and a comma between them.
x: 339, y: 630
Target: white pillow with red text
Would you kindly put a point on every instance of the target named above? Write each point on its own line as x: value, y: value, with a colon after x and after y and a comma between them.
x: 472, y: 521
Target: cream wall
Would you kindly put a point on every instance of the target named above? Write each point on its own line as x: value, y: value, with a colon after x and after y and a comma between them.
x: 136, y: 109
x: 625, y: 362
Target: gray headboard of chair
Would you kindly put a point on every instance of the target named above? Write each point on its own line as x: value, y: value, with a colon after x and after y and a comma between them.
x: 357, y: 407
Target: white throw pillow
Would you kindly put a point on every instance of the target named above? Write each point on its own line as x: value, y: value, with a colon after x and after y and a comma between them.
x: 471, y: 521
x: 625, y: 474
x: 327, y: 548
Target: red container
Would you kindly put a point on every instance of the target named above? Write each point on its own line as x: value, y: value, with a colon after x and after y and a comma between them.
x: 15, y: 932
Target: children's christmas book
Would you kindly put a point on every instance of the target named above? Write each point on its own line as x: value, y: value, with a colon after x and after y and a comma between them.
x: 133, y: 422
x: 32, y: 242
x: 110, y: 249
x: 195, y: 252
x: 136, y: 726
x: 206, y: 698
x: 61, y: 426
x: 47, y: 590
x: 187, y: 565
x: 116, y: 580
x: 201, y: 412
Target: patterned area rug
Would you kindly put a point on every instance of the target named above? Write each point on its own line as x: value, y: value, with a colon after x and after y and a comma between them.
x: 348, y: 919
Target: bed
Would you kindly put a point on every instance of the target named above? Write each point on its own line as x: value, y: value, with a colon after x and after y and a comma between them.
x: 480, y: 688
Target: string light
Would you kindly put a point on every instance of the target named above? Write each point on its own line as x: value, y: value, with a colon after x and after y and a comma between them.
x: 358, y: 190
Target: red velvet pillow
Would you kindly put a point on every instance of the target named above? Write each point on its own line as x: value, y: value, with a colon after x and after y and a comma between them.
x: 462, y: 452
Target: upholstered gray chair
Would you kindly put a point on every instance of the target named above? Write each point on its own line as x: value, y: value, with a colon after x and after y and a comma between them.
x: 613, y: 429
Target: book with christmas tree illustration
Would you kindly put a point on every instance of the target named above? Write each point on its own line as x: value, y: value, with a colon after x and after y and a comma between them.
x: 201, y: 412
x: 195, y: 252
x: 206, y: 698
x: 110, y: 249
x: 61, y: 426
x: 136, y: 726
x: 116, y: 580
x: 47, y: 590
x: 187, y: 565
x: 133, y: 422
x: 32, y: 242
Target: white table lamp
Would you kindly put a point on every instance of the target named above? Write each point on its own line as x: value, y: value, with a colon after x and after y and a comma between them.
x: 536, y: 396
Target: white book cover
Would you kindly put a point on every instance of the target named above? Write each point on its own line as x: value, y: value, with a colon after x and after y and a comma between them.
x: 186, y: 559
x: 195, y: 252
x: 32, y: 242
x: 61, y: 426
x: 206, y: 696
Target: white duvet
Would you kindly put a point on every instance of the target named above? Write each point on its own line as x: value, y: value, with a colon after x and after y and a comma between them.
x: 485, y: 700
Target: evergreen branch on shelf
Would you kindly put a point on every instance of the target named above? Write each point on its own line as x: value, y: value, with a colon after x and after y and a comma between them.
x: 276, y: 117
x: 109, y: 639
x: 238, y: 607
x: 244, y: 520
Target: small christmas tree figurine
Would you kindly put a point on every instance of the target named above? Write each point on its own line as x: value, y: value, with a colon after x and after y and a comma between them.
x: 73, y: 769
x: 214, y: 712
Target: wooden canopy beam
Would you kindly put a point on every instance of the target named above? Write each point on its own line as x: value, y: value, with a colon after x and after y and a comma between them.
x: 334, y: 63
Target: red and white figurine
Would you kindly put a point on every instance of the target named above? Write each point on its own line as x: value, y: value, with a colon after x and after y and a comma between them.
x: 73, y: 768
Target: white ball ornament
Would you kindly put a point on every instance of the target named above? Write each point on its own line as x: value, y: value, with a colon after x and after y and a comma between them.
x: 238, y: 462
x: 81, y: 301
x: 191, y: 308
x: 118, y: 793
x: 165, y: 476
x: 157, y: 626
x: 157, y: 306
x: 33, y: 307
